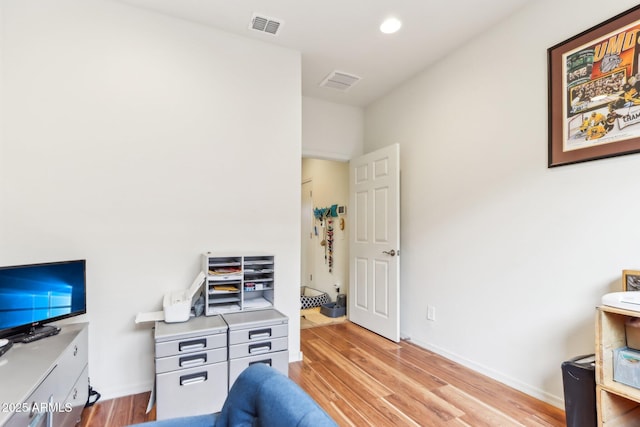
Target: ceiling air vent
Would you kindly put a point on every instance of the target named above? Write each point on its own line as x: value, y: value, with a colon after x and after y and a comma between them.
x: 340, y: 80
x: 265, y: 24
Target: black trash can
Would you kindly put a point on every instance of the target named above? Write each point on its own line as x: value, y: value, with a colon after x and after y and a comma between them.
x: 579, y: 380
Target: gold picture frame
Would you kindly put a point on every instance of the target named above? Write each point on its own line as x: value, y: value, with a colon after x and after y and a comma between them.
x: 630, y: 280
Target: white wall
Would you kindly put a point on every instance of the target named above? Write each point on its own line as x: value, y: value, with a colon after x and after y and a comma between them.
x: 331, y: 131
x: 330, y: 186
x: 138, y: 142
x: 514, y: 256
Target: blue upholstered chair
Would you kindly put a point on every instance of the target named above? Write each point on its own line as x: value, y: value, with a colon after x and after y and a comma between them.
x: 261, y: 396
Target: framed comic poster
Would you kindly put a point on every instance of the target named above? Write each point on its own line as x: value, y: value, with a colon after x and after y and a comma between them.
x: 594, y: 92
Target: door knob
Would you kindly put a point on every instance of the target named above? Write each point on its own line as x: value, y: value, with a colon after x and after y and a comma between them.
x: 391, y: 252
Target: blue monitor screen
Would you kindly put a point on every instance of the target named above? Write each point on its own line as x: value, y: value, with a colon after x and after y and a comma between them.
x: 41, y: 293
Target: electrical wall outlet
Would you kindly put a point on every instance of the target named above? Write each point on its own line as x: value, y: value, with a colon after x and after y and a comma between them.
x: 431, y: 313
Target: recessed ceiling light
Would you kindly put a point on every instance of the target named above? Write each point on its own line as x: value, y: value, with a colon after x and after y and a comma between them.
x: 390, y: 25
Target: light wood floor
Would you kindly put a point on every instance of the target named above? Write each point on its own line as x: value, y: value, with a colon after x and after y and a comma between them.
x: 361, y: 379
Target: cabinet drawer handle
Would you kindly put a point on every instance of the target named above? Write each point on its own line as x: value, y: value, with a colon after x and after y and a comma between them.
x: 191, y: 379
x: 260, y: 348
x: 33, y: 411
x: 192, y: 345
x: 39, y: 412
x: 37, y: 419
x: 265, y: 361
x: 260, y: 333
x: 190, y: 361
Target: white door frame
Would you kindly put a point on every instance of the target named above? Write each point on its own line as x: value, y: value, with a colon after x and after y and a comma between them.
x: 307, y: 250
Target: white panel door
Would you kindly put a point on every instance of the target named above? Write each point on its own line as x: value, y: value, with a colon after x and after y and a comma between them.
x: 374, y: 242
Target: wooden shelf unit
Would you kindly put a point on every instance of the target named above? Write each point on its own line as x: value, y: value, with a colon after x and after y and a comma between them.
x: 618, y: 404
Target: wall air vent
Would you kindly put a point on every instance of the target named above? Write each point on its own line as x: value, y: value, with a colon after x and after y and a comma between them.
x: 340, y: 80
x: 265, y: 24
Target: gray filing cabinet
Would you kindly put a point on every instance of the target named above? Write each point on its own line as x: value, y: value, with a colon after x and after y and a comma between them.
x: 191, y: 367
x: 259, y: 336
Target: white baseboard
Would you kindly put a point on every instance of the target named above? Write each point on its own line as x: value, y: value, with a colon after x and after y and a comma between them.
x: 115, y: 392
x: 498, y: 376
x: 295, y: 357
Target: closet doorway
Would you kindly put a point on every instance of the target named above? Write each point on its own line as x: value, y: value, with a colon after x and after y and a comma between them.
x: 324, y: 243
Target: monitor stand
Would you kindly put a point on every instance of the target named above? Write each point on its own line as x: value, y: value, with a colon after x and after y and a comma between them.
x: 36, y: 333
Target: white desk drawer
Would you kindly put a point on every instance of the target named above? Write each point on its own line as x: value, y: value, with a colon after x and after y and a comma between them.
x: 190, y: 345
x: 74, y: 404
x: 278, y: 360
x: 259, y: 333
x: 190, y: 360
x: 74, y: 356
x: 194, y: 391
x: 34, y: 411
x: 255, y: 348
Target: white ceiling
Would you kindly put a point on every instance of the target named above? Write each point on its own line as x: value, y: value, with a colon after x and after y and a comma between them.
x: 343, y: 35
